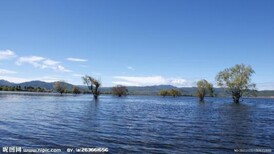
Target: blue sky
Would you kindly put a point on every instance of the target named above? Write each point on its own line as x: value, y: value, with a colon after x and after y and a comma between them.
x: 136, y: 42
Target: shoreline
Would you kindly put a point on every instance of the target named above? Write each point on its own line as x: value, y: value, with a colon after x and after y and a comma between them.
x: 71, y: 94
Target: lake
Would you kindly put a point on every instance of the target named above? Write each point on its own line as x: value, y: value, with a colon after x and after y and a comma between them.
x: 136, y: 124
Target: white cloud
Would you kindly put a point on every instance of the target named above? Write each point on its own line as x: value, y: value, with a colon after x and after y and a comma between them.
x: 6, y: 54
x: 177, y: 81
x: 49, y: 62
x: 14, y: 79
x: 124, y: 83
x: 130, y: 68
x: 151, y: 80
x: 41, y: 62
x: 78, y: 75
x: 21, y: 79
x: 4, y: 71
x: 77, y: 59
x: 55, y: 65
x: 265, y: 86
x: 33, y: 60
x: 48, y: 78
x: 61, y: 68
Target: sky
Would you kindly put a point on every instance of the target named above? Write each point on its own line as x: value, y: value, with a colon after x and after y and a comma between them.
x: 135, y: 42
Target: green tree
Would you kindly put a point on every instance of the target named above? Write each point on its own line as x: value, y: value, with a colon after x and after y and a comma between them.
x: 203, y: 87
x: 5, y: 88
x: 12, y: 88
x: 39, y: 89
x: 93, y: 85
x: 60, y: 87
x: 174, y: 93
x: 119, y: 90
x: 171, y: 92
x: 18, y: 88
x: 163, y: 93
x: 237, y: 80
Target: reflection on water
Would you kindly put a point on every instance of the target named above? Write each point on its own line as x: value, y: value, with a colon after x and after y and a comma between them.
x: 136, y: 123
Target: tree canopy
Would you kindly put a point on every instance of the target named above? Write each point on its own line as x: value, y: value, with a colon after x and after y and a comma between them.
x: 75, y: 90
x: 93, y: 85
x: 237, y: 80
x: 60, y: 87
x: 204, y: 87
x: 119, y: 90
x: 171, y: 92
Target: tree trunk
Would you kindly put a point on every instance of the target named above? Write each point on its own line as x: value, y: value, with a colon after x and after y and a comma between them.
x: 236, y: 99
x: 236, y: 95
x: 95, y: 97
x: 201, y: 95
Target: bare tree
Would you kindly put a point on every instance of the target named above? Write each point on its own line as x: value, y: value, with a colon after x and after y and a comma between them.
x: 75, y: 90
x: 93, y: 85
x: 119, y: 90
x: 60, y: 87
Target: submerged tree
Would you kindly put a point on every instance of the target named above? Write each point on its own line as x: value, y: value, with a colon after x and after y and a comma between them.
x: 75, y: 90
x: 203, y: 87
x: 60, y: 87
x: 93, y: 85
x: 171, y: 92
x: 237, y: 80
x: 174, y: 93
x: 163, y: 93
x: 119, y: 90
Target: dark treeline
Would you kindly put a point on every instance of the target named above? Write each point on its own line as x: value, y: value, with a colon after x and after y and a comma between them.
x: 171, y: 92
x: 74, y: 90
x: 25, y: 88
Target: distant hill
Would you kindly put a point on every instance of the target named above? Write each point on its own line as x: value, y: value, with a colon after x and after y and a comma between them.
x: 42, y: 84
x: 35, y: 84
x: 6, y: 83
x: 265, y: 93
x: 133, y: 90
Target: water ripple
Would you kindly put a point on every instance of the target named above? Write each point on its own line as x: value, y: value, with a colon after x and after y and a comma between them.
x: 136, y: 124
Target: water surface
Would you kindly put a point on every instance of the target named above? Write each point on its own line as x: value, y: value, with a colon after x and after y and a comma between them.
x: 137, y: 124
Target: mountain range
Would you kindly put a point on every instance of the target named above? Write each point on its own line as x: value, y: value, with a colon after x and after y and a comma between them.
x: 134, y: 90
x: 42, y: 84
